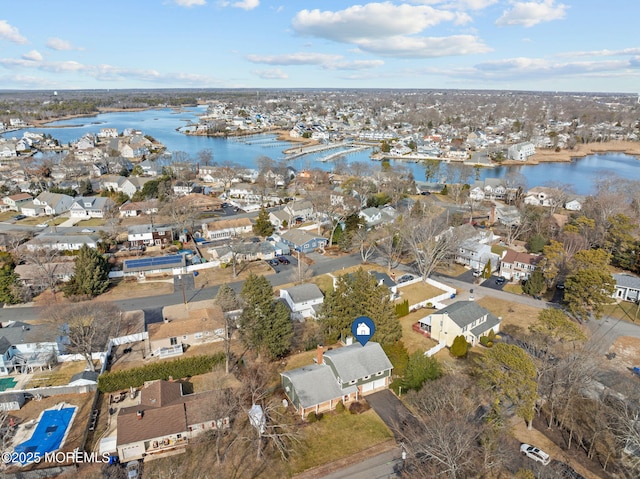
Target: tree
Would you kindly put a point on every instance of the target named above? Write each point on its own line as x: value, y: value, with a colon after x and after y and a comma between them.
x: 355, y: 295
x: 459, y: 347
x: 535, y: 284
x: 263, y: 226
x: 265, y: 325
x: 420, y: 369
x: 557, y: 325
x: 88, y: 326
x: 431, y: 169
x: 228, y: 301
x: 391, y: 245
x: 511, y: 374
x: 8, y: 283
x: 536, y: 243
x: 91, y: 276
x: 588, y: 290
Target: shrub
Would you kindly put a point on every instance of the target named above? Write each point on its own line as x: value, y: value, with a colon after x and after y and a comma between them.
x: 402, y: 309
x: 359, y: 407
x: 178, y: 368
x: 484, y: 340
x: 312, y: 417
x: 340, y: 408
x: 460, y: 347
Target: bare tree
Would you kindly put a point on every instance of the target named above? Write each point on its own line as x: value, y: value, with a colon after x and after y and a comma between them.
x: 391, y: 245
x: 364, y: 240
x: 429, y: 243
x: 88, y: 326
x: 46, y: 262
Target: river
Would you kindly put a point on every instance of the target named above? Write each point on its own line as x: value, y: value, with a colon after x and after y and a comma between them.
x: 163, y: 124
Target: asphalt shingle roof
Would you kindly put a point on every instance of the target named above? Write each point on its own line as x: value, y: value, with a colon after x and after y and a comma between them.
x: 463, y: 313
x: 356, y: 361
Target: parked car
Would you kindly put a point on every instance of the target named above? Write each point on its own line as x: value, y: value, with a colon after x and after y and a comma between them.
x: 283, y: 260
x: 500, y: 280
x: 19, y: 217
x: 477, y: 272
x: 560, y: 286
x: 133, y: 470
x: 42, y: 225
x: 88, y: 230
x: 534, y: 453
x: 404, y: 278
x: 273, y: 262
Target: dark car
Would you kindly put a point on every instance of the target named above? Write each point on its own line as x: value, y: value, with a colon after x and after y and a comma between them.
x: 19, y: 217
x: 500, y: 280
x: 273, y: 262
x: 283, y: 260
x: 560, y: 286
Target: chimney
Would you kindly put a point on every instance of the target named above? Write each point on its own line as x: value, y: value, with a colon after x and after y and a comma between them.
x: 139, y: 414
x: 319, y: 351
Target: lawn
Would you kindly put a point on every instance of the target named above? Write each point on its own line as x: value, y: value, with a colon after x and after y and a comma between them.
x: 623, y: 310
x: 513, y: 314
x: 514, y: 288
x: 454, y: 269
x: 7, y: 215
x: 418, y: 292
x: 338, y: 435
x: 124, y: 289
x: 59, y: 376
x: 413, y: 340
x: 91, y: 222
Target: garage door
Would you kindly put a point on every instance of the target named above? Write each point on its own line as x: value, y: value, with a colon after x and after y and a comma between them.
x: 372, y: 386
x: 131, y: 452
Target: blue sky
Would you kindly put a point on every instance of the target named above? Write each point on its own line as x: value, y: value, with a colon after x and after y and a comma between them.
x: 550, y: 45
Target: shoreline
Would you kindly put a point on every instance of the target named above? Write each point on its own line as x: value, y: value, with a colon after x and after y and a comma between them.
x: 631, y: 148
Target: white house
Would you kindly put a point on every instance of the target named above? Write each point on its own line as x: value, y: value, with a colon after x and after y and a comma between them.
x: 53, y: 203
x: 225, y: 229
x: 521, y: 151
x: 627, y: 287
x: 303, y: 300
x: 90, y: 207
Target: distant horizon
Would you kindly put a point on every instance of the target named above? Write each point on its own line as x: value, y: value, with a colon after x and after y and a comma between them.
x: 504, y: 45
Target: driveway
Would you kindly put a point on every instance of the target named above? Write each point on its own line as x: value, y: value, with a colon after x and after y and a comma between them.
x: 391, y: 410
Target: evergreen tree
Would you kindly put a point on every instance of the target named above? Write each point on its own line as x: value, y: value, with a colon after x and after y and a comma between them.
x: 535, y: 284
x: 459, y: 347
x: 265, y: 326
x: 420, y: 369
x: 91, y: 276
x: 355, y: 295
x: 263, y: 226
x: 8, y: 282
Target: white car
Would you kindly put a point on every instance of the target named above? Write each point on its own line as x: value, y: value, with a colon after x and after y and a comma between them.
x: 534, y: 453
x: 42, y: 225
x: 88, y: 230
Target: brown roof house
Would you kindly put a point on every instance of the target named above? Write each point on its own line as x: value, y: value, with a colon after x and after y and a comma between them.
x: 164, y: 420
x: 518, y: 266
x: 182, y: 328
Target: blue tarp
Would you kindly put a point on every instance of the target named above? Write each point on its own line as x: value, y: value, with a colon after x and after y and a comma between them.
x: 48, y: 434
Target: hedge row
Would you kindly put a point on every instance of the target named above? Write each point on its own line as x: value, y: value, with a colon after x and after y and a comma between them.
x: 178, y: 368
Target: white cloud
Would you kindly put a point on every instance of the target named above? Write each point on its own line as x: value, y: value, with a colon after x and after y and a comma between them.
x: 602, y: 53
x: 189, y: 3
x: 11, y: 34
x: 243, y: 4
x: 354, y: 65
x: 424, y: 47
x: 33, y: 55
x: 303, y: 58
x: 529, y: 14
x: 371, y: 21
x: 271, y: 74
x: 61, y: 45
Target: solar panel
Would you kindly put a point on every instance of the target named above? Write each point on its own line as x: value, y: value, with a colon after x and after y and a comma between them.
x: 155, y: 261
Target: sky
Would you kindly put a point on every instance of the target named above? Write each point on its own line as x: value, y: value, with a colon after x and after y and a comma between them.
x: 539, y: 45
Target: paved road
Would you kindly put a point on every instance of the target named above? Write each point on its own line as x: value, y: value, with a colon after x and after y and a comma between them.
x: 383, y: 466
x: 152, y: 304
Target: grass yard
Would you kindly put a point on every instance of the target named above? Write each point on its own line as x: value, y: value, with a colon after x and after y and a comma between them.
x: 623, y: 310
x: 91, y: 222
x: 336, y: 436
x: 418, y: 292
x: 513, y: 314
x: 324, y: 282
x: 454, y: 269
x: 413, y: 340
x: 59, y: 376
x: 514, y: 288
x: 7, y: 215
x: 124, y: 289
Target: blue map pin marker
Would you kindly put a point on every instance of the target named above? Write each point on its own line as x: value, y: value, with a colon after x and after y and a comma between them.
x: 362, y: 329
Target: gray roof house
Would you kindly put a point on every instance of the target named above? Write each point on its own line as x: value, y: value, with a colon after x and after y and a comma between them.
x: 24, y: 347
x: 303, y: 300
x: 303, y: 241
x: 627, y: 287
x: 339, y: 375
x: 90, y: 207
x: 62, y: 242
x: 462, y: 318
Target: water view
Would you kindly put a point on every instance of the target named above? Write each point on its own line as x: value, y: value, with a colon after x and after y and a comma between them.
x: 164, y: 125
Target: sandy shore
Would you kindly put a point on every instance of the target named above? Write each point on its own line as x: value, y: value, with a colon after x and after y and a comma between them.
x: 580, y: 151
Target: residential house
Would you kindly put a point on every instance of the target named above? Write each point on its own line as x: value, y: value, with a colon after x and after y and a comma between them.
x: 53, y: 203
x: 8, y: 149
x: 241, y: 252
x: 476, y: 255
x: 521, y: 151
x: 374, y: 217
x: 303, y: 241
x: 12, y: 401
x: 574, y: 204
x: 225, y: 229
x: 302, y: 209
x: 542, y: 196
x: 132, y: 209
x: 168, y: 264
x: 132, y: 185
x: 506, y: 215
x: 179, y: 331
x: 108, y: 133
x: 627, y: 287
x: 90, y: 207
x: 28, y: 208
x: 149, y: 235
x: 339, y: 375
x: 84, y: 378
x: 165, y: 419
x: 303, y: 300
x: 25, y: 347
x: 181, y: 188
x: 15, y: 202
x: 150, y: 168
x: 462, y: 318
x: 517, y: 266
x: 33, y: 275
x: 61, y: 242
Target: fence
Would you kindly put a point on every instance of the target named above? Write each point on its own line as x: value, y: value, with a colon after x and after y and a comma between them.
x: 435, y: 349
x: 435, y: 301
